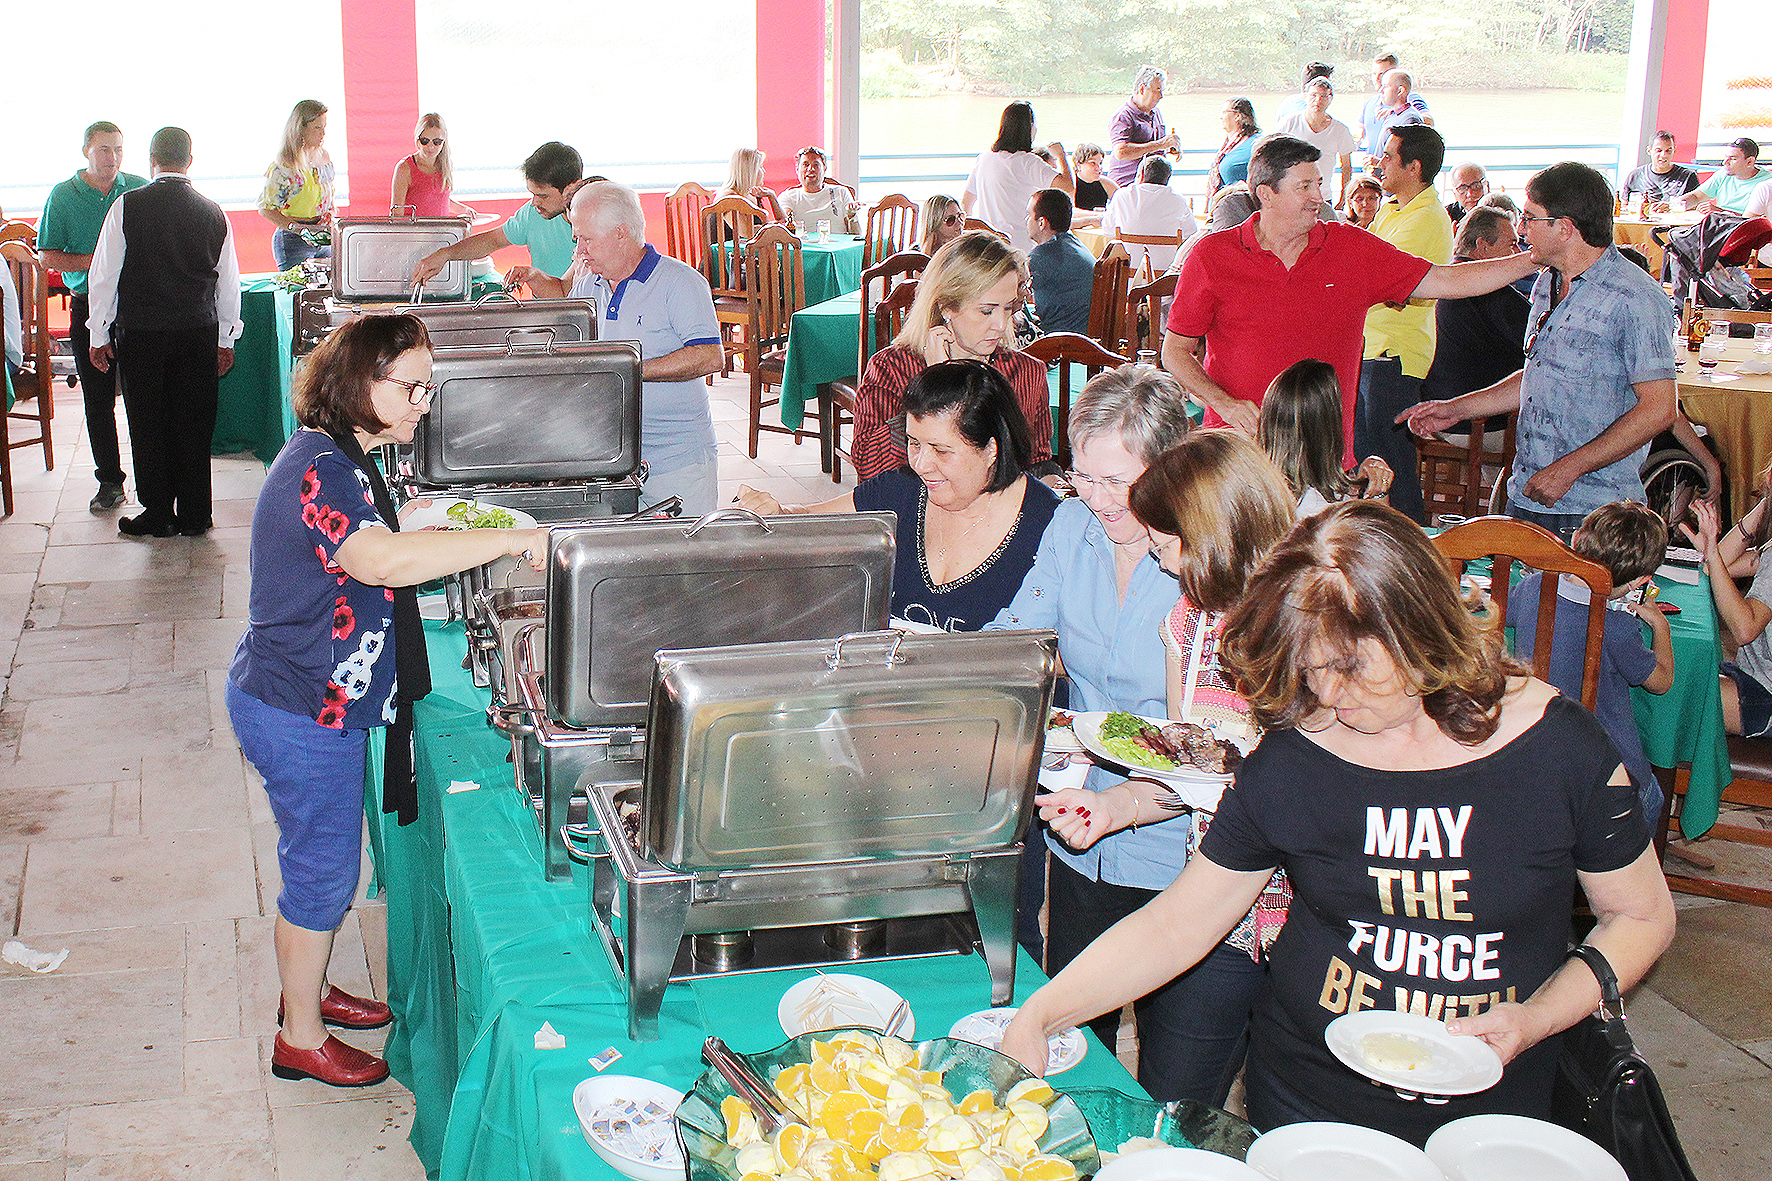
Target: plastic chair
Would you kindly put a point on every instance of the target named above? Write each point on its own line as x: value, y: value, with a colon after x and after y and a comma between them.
x: 1107, y: 298
x: 891, y: 229
x: 775, y: 287
x: 726, y: 225
x: 1144, y: 315
x: 1461, y: 478
x: 1065, y: 349
x: 837, y: 398
x: 1504, y: 541
x: 683, y: 224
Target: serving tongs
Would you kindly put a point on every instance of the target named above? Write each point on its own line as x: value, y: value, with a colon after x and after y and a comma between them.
x: 772, y: 1113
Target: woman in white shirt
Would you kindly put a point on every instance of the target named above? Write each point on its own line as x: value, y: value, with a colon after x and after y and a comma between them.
x: 1005, y: 179
x: 1329, y: 135
x: 813, y: 200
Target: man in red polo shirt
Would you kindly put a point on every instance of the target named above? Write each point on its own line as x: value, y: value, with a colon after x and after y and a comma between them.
x: 1284, y: 286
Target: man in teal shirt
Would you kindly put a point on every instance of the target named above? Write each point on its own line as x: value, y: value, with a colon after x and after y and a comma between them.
x: 551, y: 174
x: 66, y: 235
x: 1731, y: 186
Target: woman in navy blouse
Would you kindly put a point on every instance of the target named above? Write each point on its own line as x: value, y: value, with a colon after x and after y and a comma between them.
x: 334, y: 647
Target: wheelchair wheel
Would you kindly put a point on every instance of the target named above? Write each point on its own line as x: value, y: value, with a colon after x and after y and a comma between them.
x: 1672, y: 480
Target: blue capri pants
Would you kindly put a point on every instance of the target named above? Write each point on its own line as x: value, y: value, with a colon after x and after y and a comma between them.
x: 314, y: 776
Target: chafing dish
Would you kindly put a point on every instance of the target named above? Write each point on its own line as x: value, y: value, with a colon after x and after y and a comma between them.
x: 494, y: 319
x: 373, y: 257
x: 617, y: 593
x: 794, y: 785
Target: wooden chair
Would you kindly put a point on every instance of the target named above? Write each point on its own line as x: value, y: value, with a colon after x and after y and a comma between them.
x: 775, y: 287
x: 1760, y: 277
x: 1737, y: 316
x: 972, y: 223
x: 837, y: 399
x: 1751, y: 761
x: 1138, y: 247
x: 33, y: 386
x: 1065, y: 349
x: 891, y: 229
x: 1145, y: 320
x: 684, y: 238
x: 1505, y: 541
x: 1461, y: 478
x: 1107, y: 298
x: 726, y: 225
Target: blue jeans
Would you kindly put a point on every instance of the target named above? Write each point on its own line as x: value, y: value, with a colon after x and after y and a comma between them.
x: 290, y: 249
x: 1385, y: 392
x: 1193, y: 1031
x: 314, y: 776
x: 1563, y: 525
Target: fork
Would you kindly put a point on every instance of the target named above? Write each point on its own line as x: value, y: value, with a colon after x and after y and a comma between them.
x: 1167, y: 800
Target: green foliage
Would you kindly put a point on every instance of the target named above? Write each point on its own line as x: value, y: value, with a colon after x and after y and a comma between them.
x: 1077, y: 46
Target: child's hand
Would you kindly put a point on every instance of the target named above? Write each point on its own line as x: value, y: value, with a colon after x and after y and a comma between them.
x: 1706, y: 534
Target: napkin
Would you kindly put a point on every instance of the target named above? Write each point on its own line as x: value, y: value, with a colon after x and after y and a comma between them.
x: 15, y: 952
x: 1758, y: 363
x: 462, y: 785
x: 549, y: 1038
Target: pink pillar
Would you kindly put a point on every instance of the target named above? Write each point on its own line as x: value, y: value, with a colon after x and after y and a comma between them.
x: 1682, y: 73
x: 790, y: 83
x: 381, y: 95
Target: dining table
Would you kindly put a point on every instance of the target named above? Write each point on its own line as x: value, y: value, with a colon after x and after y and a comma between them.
x: 1638, y: 230
x: 253, y: 412
x: 1736, y: 408
x: 483, y: 952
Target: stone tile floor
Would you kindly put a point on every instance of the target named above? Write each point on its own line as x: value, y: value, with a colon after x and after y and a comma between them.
x: 132, y: 833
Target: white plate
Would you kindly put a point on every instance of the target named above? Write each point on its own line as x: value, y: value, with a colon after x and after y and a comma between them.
x: 849, y: 1000
x: 985, y: 1028
x: 1462, y: 1065
x: 1340, y: 1152
x: 1512, y: 1147
x: 436, y: 514
x: 1177, y: 1164
x: 1087, y: 728
x: 593, y: 1096
x: 1063, y: 739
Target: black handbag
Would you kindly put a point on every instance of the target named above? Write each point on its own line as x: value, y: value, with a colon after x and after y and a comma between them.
x: 1605, y: 1090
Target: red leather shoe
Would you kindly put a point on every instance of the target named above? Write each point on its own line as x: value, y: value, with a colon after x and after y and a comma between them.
x: 334, y: 1063
x: 342, y: 1009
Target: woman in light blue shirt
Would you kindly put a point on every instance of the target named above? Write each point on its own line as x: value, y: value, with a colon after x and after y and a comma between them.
x: 1097, y: 584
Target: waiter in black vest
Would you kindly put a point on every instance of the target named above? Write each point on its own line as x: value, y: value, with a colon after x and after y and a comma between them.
x: 164, y: 290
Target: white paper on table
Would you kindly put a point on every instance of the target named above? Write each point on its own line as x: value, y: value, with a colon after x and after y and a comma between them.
x: 1682, y: 574
x: 549, y: 1038
x: 1755, y: 365
x: 15, y: 952
x: 461, y: 785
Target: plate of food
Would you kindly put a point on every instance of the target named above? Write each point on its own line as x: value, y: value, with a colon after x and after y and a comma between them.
x: 1060, y: 738
x: 452, y: 512
x: 1480, y: 1147
x: 1413, y: 1052
x: 630, y: 1123
x: 1156, y: 748
x: 985, y: 1028
x: 838, y: 1000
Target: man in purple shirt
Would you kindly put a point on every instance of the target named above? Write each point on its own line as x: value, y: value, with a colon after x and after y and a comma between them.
x: 1137, y: 130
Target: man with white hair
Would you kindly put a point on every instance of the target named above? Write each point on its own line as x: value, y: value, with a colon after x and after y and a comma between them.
x: 1137, y: 130
x: 1397, y: 106
x: 665, y: 306
x: 1470, y: 184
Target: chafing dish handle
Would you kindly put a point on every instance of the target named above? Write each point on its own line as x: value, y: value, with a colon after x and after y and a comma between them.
x: 394, y: 212
x: 891, y: 638
x: 570, y: 835
x: 771, y: 1113
x: 505, y: 718
x: 729, y: 514
x: 492, y: 295
x: 547, y: 346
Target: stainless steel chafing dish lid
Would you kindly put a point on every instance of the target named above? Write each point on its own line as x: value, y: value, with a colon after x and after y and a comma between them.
x: 373, y: 257
x: 500, y: 319
x: 873, y: 746
x: 527, y: 413
x: 617, y: 593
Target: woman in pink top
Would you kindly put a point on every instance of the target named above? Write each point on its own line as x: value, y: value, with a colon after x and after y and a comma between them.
x: 425, y: 180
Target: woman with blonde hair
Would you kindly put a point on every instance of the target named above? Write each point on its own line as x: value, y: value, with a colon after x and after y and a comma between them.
x: 964, y: 311
x: 943, y: 221
x: 744, y: 178
x: 1401, y: 747
x: 424, y: 182
x: 297, y: 196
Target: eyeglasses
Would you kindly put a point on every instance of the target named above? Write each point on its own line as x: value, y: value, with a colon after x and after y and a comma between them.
x: 1109, y: 484
x: 953, y: 219
x: 1532, y: 337
x: 416, y: 391
x: 1473, y: 187
x: 425, y: 143
x: 1524, y: 219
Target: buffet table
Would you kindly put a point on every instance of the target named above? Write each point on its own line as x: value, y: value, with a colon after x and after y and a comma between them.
x: 252, y: 410
x: 482, y: 951
x: 1685, y: 724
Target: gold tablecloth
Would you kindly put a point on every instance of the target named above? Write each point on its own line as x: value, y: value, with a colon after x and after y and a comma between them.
x: 1739, y: 416
x: 1639, y: 231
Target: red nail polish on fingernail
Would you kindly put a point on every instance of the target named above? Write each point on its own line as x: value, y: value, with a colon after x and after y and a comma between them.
x: 1062, y: 811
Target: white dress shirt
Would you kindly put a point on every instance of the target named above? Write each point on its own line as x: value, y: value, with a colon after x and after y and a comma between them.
x: 1142, y: 208
x: 107, y: 266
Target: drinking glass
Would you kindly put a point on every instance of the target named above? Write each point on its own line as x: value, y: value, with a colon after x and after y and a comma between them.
x: 1763, y: 338
x: 824, y: 231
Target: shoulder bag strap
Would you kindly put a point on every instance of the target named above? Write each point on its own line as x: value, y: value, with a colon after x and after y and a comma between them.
x: 1611, y: 999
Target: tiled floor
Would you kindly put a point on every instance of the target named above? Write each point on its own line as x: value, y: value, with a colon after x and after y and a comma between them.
x: 132, y: 834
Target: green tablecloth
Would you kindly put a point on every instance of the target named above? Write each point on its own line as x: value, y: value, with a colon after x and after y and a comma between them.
x: 482, y: 950
x: 832, y: 268
x: 1685, y: 724
x: 824, y: 344
x: 253, y: 412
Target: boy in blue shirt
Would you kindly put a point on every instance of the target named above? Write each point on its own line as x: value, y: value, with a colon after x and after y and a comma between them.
x: 1630, y: 541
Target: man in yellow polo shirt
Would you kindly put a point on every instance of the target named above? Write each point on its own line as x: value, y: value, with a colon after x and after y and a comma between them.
x: 1400, y: 337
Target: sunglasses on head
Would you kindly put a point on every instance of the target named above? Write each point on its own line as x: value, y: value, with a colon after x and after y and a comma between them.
x: 425, y: 143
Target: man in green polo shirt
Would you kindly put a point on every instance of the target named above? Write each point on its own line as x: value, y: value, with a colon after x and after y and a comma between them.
x: 66, y: 235
x: 552, y: 173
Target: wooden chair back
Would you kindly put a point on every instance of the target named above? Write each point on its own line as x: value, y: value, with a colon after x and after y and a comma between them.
x: 877, y: 282
x: 775, y: 284
x: 1065, y: 349
x: 1505, y: 541
x: 1461, y: 478
x: 1138, y: 246
x: 887, y: 289
x: 891, y: 228
x: 684, y: 238
x: 33, y: 386
x: 1107, y: 298
x: 1737, y: 316
x: 1145, y: 320
x: 1760, y: 277
x: 972, y: 223
x: 726, y: 225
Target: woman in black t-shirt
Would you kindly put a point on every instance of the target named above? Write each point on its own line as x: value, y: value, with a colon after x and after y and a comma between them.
x: 1434, y: 810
